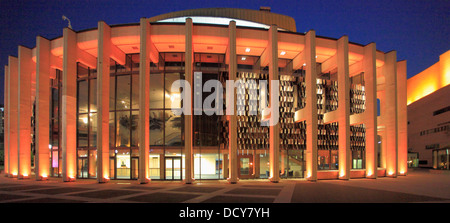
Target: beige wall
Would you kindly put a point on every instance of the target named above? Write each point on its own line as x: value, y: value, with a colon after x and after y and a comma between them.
x: 420, y: 118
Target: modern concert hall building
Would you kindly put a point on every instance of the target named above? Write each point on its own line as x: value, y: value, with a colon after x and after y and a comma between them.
x: 99, y: 103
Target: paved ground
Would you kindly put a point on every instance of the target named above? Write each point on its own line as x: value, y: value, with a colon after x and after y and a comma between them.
x: 418, y: 186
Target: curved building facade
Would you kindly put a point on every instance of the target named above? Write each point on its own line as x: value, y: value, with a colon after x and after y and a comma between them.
x: 101, y: 103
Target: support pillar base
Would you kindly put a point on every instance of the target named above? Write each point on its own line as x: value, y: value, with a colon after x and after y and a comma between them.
x: 41, y: 178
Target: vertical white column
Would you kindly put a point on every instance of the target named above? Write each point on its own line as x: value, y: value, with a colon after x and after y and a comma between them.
x: 42, y: 134
x: 370, y: 114
x: 188, y: 121
x: 13, y: 65
x: 69, y: 106
x: 103, y: 70
x: 232, y: 119
x: 343, y: 108
x: 274, y: 130
x: 311, y: 106
x: 6, y: 121
x: 144, y: 100
x: 402, y: 119
x: 390, y: 73
x: 24, y: 112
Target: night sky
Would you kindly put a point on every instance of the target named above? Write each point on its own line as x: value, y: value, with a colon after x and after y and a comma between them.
x: 418, y: 30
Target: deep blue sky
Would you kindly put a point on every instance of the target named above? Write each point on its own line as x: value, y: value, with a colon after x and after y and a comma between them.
x: 418, y: 30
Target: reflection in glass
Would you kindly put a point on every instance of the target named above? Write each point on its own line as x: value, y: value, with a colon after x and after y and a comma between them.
x: 123, y: 92
x: 135, y: 91
x: 156, y: 127
x: 112, y: 131
x: 173, y: 124
x: 93, y: 95
x: 172, y: 99
x: 134, y: 128
x: 124, y: 124
x: 82, y: 130
x: 83, y: 96
x: 156, y: 90
x: 93, y: 129
x: 112, y: 93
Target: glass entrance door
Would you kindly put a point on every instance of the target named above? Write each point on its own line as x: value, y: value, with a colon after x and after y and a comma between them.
x: 245, y: 167
x: 82, y: 168
x: 173, y: 168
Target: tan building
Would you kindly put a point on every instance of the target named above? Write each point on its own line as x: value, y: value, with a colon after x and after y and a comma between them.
x: 429, y: 114
x: 111, y: 113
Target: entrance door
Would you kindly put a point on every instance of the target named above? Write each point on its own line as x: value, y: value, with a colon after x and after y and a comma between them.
x: 173, y: 168
x: 82, y: 167
x: 245, y: 166
x: 134, y: 168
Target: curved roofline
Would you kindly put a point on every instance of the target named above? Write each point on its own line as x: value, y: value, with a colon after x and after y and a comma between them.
x: 263, y: 17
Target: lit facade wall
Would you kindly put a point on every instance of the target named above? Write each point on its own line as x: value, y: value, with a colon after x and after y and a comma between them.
x: 111, y: 104
x: 429, y: 113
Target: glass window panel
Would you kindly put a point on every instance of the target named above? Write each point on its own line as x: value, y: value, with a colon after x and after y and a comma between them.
x: 173, y: 124
x: 156, y: 91
x: 82, y: 96
x: 123, y: 164
x: 93, y: 95
x: 123, y: 92
x: 135, y: 91
x: 82, y: 133
x: 134, y: 128
x: 111, y: 129
x: 156, y: 127
x: 172, y: 99
x: 209, y: 165
x: 123, y: 122
x: 93, y: 129
x: 154, y: 165
x: 112, y: 93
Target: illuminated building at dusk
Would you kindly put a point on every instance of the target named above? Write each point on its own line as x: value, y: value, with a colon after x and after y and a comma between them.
x: 98, y: 103
x: 429, y: 114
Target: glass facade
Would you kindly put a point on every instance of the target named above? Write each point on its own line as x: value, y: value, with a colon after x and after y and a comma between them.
x: 86, y: 122
x: 209, y: 150
x: 55, y: 125
x: 166, y: 158
x: 124, y: 119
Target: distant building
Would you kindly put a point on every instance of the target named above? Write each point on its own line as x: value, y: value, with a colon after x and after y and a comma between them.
x: 429, y: 114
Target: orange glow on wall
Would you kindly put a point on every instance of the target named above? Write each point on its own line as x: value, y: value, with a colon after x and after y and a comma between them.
x: 430, y: 80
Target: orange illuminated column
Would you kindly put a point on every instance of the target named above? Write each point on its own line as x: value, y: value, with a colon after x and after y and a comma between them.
x: 103, y: 69
x: 311, y: 106
x: 144, y: 100
x: 5, y: 122
x: 343, y: 108
x: 42, y: 119
x: 274, y: 130
x: 24, y: 112
x: 13, y: 65
x: 370, y: 114
x: 390, y: 120
x: 188, y: 121
x: 69, y: 105
x: 402, y: 119
x: 232, y: 119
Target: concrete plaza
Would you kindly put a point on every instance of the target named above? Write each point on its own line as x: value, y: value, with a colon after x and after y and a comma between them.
x: 418, y: 186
